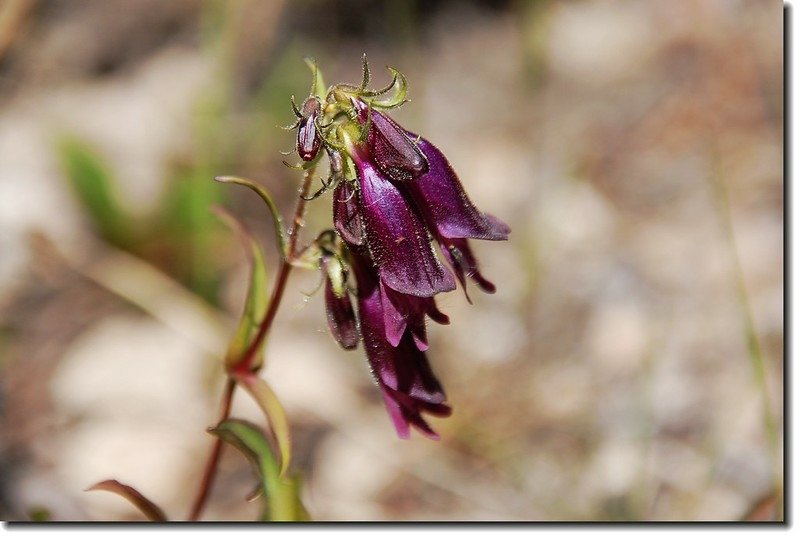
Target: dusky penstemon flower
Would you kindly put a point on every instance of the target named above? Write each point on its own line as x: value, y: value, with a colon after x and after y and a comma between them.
x: 394, y: 193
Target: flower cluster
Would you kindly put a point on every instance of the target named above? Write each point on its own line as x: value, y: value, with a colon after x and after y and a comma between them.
x: 394, y: 193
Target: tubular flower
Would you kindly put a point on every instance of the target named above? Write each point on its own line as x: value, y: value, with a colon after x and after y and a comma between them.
x: 436, y: 194
x: 394, y: 193
x: 401, y: 370
x: 396, y: 235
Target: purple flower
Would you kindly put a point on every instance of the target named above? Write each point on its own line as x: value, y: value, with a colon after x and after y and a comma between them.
x: 417, y: 178
x: 396, y: 235
x: 404, y: 195
x: 444, y: 204
x: 402, y: 371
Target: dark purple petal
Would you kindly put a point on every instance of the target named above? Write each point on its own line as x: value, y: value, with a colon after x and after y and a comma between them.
x: 340, y: 317
x: 444, y: 204
x: 459, y: 255
x: 395, y: 154
x: 346, y: 216
x: 398, y: 240
x: 395, y: 320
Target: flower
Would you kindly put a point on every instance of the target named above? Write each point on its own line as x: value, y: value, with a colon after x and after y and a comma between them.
x: 432, y: 191
x: 402, y: 371
x: 395, y: 194
x: 395, y: 234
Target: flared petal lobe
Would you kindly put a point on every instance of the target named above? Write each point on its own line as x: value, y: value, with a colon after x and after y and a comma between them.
x: 405, y: 312
x: 393, y: 151
x: 397, y: 238
x: 460, y: 257
x: 444, y: 204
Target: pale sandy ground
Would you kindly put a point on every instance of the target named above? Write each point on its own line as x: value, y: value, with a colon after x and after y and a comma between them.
x: 608, y: 378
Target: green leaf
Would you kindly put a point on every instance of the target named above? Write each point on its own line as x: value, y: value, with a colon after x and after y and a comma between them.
x: 148, y: 508
x: 280, y: 494
x: 255, y: 305
x: 95, y: 187
x: 277, y: 220
x: 274, y: 412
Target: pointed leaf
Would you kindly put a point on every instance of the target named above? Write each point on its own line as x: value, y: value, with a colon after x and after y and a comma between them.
x: 255, y: 305
x: 281, y: 495
x: 274, y: 412
x: 277, y: 220
x: 148, y: 508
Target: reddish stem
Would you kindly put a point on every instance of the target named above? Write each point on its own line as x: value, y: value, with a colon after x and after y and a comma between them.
x: 243, y: 367
x: 216, y: 452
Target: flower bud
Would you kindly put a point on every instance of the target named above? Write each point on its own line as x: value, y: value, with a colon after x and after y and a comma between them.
x: 308, y: 139
x: 340, y: 313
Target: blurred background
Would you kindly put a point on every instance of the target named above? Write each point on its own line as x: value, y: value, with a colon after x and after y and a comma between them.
x: 628, y: 368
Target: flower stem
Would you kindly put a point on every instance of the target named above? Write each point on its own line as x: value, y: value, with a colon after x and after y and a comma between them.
x: 263, y: 329
x: 216, y: 452
x: 243, y: 366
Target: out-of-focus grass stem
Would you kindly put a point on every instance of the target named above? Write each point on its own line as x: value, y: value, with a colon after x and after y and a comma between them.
x: 753, y: 346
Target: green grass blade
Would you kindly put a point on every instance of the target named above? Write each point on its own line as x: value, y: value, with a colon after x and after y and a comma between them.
x: 95, y: 188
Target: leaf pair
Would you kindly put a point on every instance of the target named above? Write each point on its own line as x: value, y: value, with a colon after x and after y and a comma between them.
x: 240, y: 346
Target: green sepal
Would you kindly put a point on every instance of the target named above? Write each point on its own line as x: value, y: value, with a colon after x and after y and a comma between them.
x: 400, y: 85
